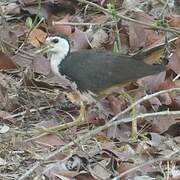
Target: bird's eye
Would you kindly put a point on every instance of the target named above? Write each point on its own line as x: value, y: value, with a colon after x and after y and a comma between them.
x: 55, y: 40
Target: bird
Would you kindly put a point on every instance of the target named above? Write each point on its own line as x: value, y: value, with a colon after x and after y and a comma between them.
x: 94, y: 70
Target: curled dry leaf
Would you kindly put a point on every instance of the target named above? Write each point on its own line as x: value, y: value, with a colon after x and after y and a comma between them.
x: 37, y: 37
x: 99, y: 38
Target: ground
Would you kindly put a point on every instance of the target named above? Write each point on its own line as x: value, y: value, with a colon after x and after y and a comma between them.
x: 48, y: 133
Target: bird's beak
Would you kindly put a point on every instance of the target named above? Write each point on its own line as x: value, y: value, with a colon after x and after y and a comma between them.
x: 46, y: 48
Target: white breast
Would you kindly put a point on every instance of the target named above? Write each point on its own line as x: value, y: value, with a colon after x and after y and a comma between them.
x: 55, y: 61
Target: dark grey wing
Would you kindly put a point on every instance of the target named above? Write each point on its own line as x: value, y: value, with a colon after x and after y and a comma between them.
x: 97, y: 71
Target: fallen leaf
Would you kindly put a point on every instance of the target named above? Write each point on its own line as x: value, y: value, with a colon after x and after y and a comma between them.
x: 161, y: 124
x: 174, y: 62
x: 139, y: 35
x: 41, y: 65
x: 152, y: 82
x: 50, y: 140
x: 100, y: 37
x: 168, y: 84
x: 79, y: 40
x: 101, y: 170
x: 115, y: 103
x: 6, y: 62
x: 58, y: 28
x: 37, y: 37
x: 173, y: 20
x: 100, y: 19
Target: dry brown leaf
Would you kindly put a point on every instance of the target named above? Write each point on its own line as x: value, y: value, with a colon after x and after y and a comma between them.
x: 56, y: 81
x: 22, y: 61
x: 168, y: 84
x: 79, y: 40
x: 50, y: 140
x: 93, y: 117
x: 174, y: 62
x: 65, y: 174
x: 173, y: 21
x: 100, y: 169
x: 162, y: 124
x: 8, y: 35
x: 61, y: 29
x: 174, y: 129
x: 6, y: 62
x: 84, y: 176
x: 115, y: 103
x: 155, y: 103
x: 140, y: 36
x: 123, y: 167
x: 152, y: 82
x: 100, y: 19
x: 41, y: 65
x: 37, y: 37
x: 100, y: 37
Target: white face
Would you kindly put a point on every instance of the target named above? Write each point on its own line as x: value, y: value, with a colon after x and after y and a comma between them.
x: 57, y: 49
x: 58, y: 45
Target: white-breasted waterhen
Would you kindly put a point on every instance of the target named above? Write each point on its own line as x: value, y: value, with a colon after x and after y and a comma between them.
x: 93, y: 70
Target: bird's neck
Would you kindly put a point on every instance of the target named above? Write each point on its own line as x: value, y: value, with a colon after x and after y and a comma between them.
x: 55, y: 62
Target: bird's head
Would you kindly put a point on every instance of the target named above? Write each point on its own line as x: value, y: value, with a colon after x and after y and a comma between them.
x: 57, y: 44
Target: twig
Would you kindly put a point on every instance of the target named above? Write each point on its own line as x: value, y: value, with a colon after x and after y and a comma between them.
x: 145, y: 98
x: 79, y: 24
x: 107, y: 125
x: 152, y: 26
x: 20, y: 50
x: 176, y: 78
x: 24, y: 112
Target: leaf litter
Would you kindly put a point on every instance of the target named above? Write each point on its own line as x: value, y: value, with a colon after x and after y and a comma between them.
x: 33, y: 101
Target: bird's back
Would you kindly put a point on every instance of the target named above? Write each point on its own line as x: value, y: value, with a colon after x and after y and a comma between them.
x: 99, y: 70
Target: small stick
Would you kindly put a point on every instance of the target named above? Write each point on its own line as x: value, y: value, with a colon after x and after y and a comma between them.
x: 79, y: 24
